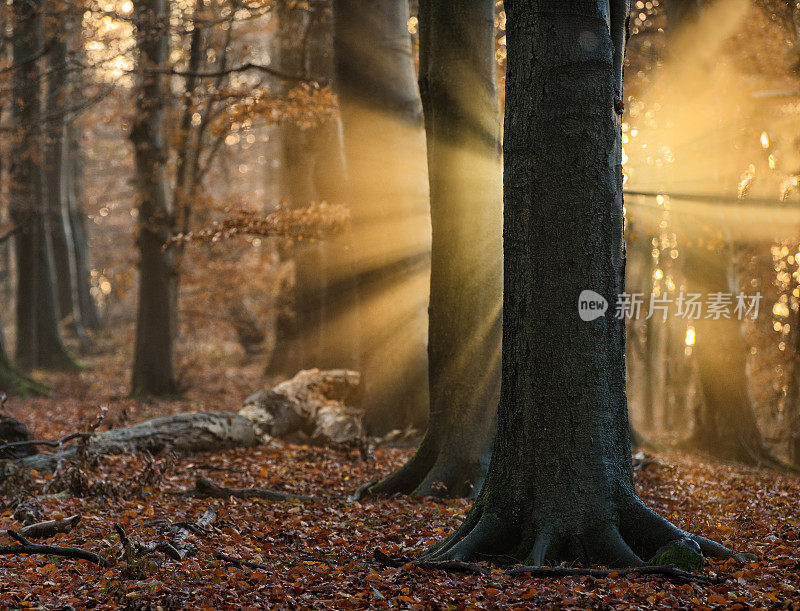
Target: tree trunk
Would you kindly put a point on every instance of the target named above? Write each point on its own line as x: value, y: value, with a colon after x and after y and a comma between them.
x: 384, y: 150
x: 459, y: 95
x: 322, y: 332
x: 24, y: 181
x: 38, y: 339
x: 58, y: 168
x: 80, y: 241
x: 152, y: 367
x: 560, y: 484
x: 725, y: 425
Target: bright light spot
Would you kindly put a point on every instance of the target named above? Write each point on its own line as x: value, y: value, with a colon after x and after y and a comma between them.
x: 105, y: 287
x: 658, y: 274
x: 764, y: 140
x: 771, y: 162
x: 690, y: 336
x: 413, y: 25
x: 196, y: 119
x: 780, y: 309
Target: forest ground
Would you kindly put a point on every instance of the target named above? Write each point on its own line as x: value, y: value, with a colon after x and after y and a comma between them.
x: 319, y: 554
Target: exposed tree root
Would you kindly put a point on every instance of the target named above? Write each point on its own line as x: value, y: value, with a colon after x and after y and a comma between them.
x: 669, y: 572
x: 27, y: 547
x: 15, y: 382
x: 635, y: 536
x: 432, y: 472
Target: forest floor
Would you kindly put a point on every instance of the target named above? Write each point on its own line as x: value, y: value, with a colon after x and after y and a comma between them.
x: 319, y: 554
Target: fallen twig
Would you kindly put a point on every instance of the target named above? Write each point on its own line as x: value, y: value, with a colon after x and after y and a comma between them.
x: 43, y: 442
x: 27, y: 547
x: 206, y: 489
x: 238, y: 562
x: 44, y: 530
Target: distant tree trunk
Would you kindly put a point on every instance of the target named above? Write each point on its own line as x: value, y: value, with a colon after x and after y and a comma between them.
x: 80, y: 240
x: 38, y: 338
x: 459, y: 94
x: 384, y: 150
x: 319, y: 332
x: 152, y: 367
x: 58, y: 169
x: 560, y: 484
x: 725, y: 422
x: 297, y: 188
x: 24, y: 182
x: 185, y: 188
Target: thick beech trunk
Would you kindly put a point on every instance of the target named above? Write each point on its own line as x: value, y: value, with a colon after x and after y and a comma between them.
x: 560, y: 484
x: 459, y: 94
x: 152, y: 368
x: 384, y: 149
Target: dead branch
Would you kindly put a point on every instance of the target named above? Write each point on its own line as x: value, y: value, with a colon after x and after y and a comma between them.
x: 179, y: 540
x: 137, y: 549
x: 44, y: 530
x: 42, y: 442
x: 206, y: 489
x: 237, y: 562
x: 451, y: 565
x: 27, y: 547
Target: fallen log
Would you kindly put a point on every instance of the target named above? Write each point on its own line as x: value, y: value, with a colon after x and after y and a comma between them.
x: 180, y: 433
x: 313, y: 402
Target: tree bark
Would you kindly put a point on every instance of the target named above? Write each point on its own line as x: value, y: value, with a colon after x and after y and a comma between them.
x: 560, y: 484
x: 459, y: 95
x: 152, y: 368
x: 384, y: 150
